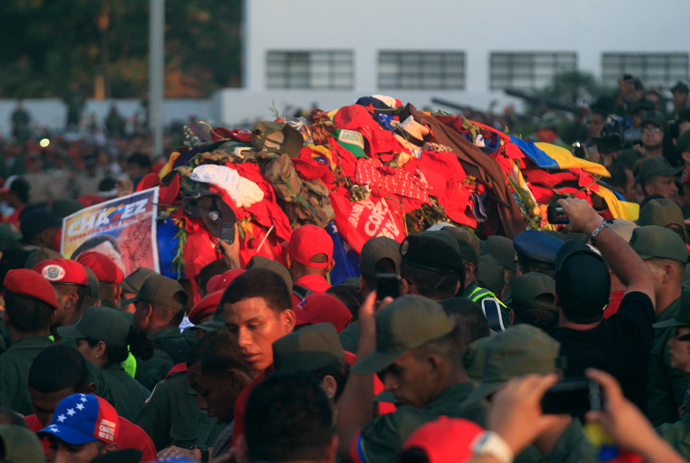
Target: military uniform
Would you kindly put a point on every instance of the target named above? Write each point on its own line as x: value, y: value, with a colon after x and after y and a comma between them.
x: 15, y: 363
x: 677, y: 435
x: 171, y: 417
x: 381, y: 440
x: 171, y: 349
x: 125, y: 393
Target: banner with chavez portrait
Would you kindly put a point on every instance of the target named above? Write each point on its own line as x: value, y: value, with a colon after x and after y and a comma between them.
x: 123, y: 228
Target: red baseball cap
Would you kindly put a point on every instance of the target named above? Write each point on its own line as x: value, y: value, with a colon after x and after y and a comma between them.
x: 445, y: 439
x: 308, y: 241
x: 322, y: 308
x: 105, y: 269
x: 206, y: 306
x: 63, y: 271
x: 30, y: 283
x: 222, y: 281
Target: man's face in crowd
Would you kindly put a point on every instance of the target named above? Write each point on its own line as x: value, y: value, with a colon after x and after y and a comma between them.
x: 44, y: 404
x: 62, y: 452
x: 141, y: 315
x: 652, y: 136
x: 629, y: 189
x: 595, y: 125
x: 664, y: 186
x: 408, y: 379
x: 680, y: 99
x: 255, y: 326
x: 679, y: 351
x: 109, y: 250
x: 654, y: 98
x: 215, y: 394
x: 131, y: 308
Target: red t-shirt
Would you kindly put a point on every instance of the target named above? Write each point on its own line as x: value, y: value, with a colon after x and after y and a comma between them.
x: 131, y: 436
x: 314, y: 283
x: 614, y: 303
x: 241, y: 408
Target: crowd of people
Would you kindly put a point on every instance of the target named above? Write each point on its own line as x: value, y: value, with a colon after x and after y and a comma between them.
x: 447, y: 348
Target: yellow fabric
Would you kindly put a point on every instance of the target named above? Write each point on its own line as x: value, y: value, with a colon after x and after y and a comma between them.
x: 619, y: 209
x: 566, y: 160
x: 168, y: 167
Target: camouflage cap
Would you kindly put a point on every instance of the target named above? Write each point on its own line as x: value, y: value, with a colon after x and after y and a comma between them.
x: 683, y: 317
x: 651, y: 242
x: 502, y: 249
x: 135, y: 280
x: 517, y: 351
x: 376, y: 249
x: 661, y: 212
x: 20, y: 444
x: 308, y: 349
x: 159, y: 289
x: 527, y: 288
x: 406, y: 323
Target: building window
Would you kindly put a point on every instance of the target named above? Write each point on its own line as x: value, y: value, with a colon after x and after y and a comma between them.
x: 310, y: 69
x: 533, y: 70
x: 652, y: 68
x: 421, y: 70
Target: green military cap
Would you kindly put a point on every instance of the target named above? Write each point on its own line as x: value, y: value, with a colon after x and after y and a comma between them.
x: 376, y: 249
x: 651, y: 241
x: 101, y: 323
x: 683, y: 143
x: 275, y: 267
x: 661, y: 212
x: 467, y: 242
x: 39, y: 255
x: 683, y: 317
x: 517, y: 351
x: 310, y: 348
x: 64, y: 207
x: 94, y: 287
x: 406, y: 323
x: 628, y: 158
x: 8, y: 241
x: 209, y: 326
x: 473, y: 359
x: 528, y: 287
x: 20, y: 445
x: 491, y: 274
x: 657, y: 165
x: 502, y: 249
x: 654, y: 117
x: 432, y: 250
x: 159, y: 289
x: 134, y: 281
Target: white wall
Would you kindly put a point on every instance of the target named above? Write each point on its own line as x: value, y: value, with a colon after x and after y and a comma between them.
x: 588, y: 27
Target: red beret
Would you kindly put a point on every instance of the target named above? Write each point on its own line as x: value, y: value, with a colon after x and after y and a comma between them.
x: 219, y: 282
x: 207, y: 305
x: 105, y: 269
x: 322, y: 308
x: 63, y: 271
x: 30, y: 283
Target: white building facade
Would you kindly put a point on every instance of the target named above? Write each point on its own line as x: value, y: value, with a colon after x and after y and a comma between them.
x: 327, y: 53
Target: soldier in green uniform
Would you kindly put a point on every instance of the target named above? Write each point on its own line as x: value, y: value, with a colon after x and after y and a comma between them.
x: 665, y: 255
x: 160, y: 307
x: 516, y: 352
x: 30, y: 309
x: 532, y: 298
x: 419, y: 348
x: 678, y: 434
x: 171, y: 416
x: 131, y: 286
x: 103, y: 336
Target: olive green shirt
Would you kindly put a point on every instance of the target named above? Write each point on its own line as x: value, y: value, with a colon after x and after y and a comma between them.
x: 677, y: 435
x: 123, y: 392
x: 171, y: 349
x: 381, y: 440
x: 667, y: 386
x: 15, y: 363
x: 171, y: 417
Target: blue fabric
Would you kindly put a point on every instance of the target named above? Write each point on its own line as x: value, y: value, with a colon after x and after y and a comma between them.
x: 537, y: 245
x: 478, y: 206
x: 534, y: 154
x: 167, y: 247
x: 346, y: 259
x: 386, y: 121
